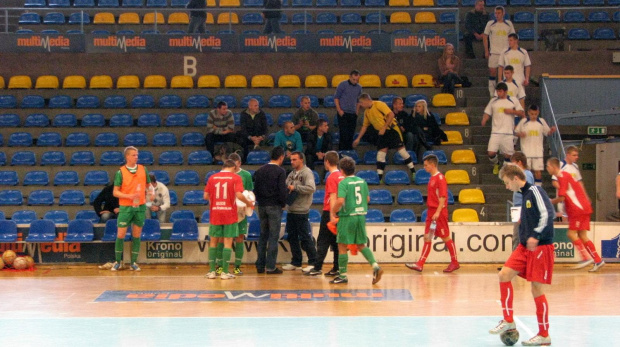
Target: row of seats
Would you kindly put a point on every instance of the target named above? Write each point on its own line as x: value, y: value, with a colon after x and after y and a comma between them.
x: 575, y: 34
x: 567, y: 17
x: 68, y: 177
x: 56, y: 216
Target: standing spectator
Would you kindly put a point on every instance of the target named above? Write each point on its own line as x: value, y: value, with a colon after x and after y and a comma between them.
x: 270, y: 190
x: 532, y: 131
x: 106, y: 204
x: 536, y: 238
x: 301, y: 186
x: 515, y: 90
x: 320, y: 142
x: 220, y: 128
x: 449, y: 68
x: 496, y: 36
x: 475, y: 22
x: 288, y: 139
x: 326, y: 238
x: 520, y: 160
x: 198, y: 16
x: 518, y: 58
x: 272, y: 16
x: 161, y: 201
x: 345, y: 99
x: 305, y: 119
x: 254, y: 127
x: 428, y: 130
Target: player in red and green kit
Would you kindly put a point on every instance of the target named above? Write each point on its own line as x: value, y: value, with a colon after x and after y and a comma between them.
x: 351, y: 207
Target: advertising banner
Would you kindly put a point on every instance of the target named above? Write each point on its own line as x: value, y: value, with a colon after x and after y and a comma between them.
x: 39, y: 43
x: 421, y: 43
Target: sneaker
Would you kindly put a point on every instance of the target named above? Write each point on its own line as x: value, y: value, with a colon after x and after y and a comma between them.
x: 537, y: 341
x: 597, y: 266
x: 134, y: 267
x: 116, y: 266
x: 582, y: 264
x: 237, y: 271
x: 496, y: 169
x: 211, y: 275
x: 414, y: 266
x: 376, y: 275
x: 290, y: 267
x: 307, y: 268
x: 219, y: 270
x: 227, y: 276
x: 275, y: 271
x: 313, y: 272
x: 339, y: 279
x: 106, y: 266
x: 260, y: 271
x: 332, y: 273
x: 452, y: 267
x: 502, y: 326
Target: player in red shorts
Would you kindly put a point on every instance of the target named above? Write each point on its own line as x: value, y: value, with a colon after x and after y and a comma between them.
x: 578, y: 209
x: 534, y: 257
x: 438, y: 214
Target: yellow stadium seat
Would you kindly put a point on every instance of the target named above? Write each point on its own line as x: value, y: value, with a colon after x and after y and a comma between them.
x: 400, y: 18
x: 396, y: 81
x: 103, y: 18
x: 129, y: 18
x: 211, y: 3
x: 227, y: 17
x: 289, y: 81
x: 457, y: 177
x: 471, y: 196
x: 399, y: 3
x: 128, y: 82
x: 463, y: 156
x: 149, y: 18
x: 337, y: 79
x: 465, y: 215
x: 235, y: 81
x: 457, y: 118
x: 182, y: 82
x: 425, y: 17
x: 101, y: 82
x: 262, y: 81
x: 20, y: 82
x: 454, y: 138
x: 444, y: 100
x: 47, y: 82
x: 423, y: 3
x: 74, y: 82
x: 155, y: 82
x: 2, y: 85
x: 230, y: 3
x: 210, y: 19
x: 209, y: 81
x: 370, y: 81
x: 422, y: 81
x: 178, y: 18
x: 316, y: 81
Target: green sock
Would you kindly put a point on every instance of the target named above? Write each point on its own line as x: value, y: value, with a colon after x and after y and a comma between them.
x: 226, y: 259
x: 239, y: 253
x: 343, y: 260
x: 367, y: 253
x: 135, y: 249
x: 118, y: 249
x: 212, y: 255
x: 218, y: 253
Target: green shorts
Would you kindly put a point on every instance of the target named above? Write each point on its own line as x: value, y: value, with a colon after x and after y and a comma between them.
x: 242, y: 227
x: 128, y: 215
x: 352, y: 230
x: 227, y: 230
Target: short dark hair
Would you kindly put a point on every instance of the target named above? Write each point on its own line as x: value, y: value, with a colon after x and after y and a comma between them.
x: 511, y: 171
x: 431, y: 158
x: 320, y: 122
x: 554, y: 162
x: 501, y: 86
x: 509, y: 68
x: 519, y: 157
x: 396, y: 98
x: 500, y: 8
x: 277, y: 153
x: 354, y: 72
x: 300, y: 154
x: 364, y: 96
x: 152, y: 177
x: 332, y: 158
x: 514, y: 36
x: 234, y: 157
x: 533, y: 107
x: 571, y: 149
x: 221, y: 104
x: 347, y: 165
x: 229, y: 163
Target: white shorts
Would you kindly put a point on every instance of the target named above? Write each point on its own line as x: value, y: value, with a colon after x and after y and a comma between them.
x: 535, y: 164
x: 493, y: 61
x: 501, y: 143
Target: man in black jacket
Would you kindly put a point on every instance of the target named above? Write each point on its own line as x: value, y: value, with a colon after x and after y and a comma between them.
x: 106, y: 205
x: 319, y: 143
x: 197, y: 17
x: 272, y: 16
x: 253, y: 129
x: 475, y: 22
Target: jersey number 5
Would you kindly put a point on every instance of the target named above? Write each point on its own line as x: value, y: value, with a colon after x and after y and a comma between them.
x: 358, y: 195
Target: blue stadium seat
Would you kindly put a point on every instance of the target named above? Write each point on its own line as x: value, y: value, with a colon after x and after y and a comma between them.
x: 49, y: 140
x: 326, y: 3
x: 197, y: 101
x: 258, y: 157
x: 87, y: 101
x: 32, y: 101
x: 108, y: 3
x: 549, y: 17
x: 351, y: 32
x: 149, y: 120
x: 402, y: 216
x: 149, y: 32
x: 351, y: 154
x: 447, y: 17
x: 88, y: 215
x: 170, y: 101
x: 37, y: 120
x: 186, y: 177
x: 427, y: 32
x: 574, y: 17
x: 79, y: 18
x: 544, y: 2
x: 594, y: 2
x: 199, y: 158
x: 93, y: 195
x: 617, y: 15
x: 53, y: 158
x: 398, y: 159
x: 164, y: 139
x: 8, y: 101
x: 376, y: 18
x: 578, y: 34
x: 526, y: 34
x: 77, y: 140
x: 350, y: 3
x: 569, y: 2
x: 301, y: 3
x: 171, y: 158
x: 370, y: 176
x: 143, y: 101
x: 20, y: 139
x: 80, y: 230
x: 96, y: 178
x: 269, y: 119
x: 161, y: 176
x: 50, y: 32
x: 284, y: 117
x: 396, y: 177
x: 181, y: 214
x: 111, y: 158
x: 193, y: 139
x: 54, y: 18
x: 156, y: 3
x: 121, y: 120
x: 402, y: 32
x: 115, y: 101
x: 24, y: 217
x: 604, y: 34
x: 57, y: 216
x: 133, y: 3
x: 411, y: 99
x: 525, y: 17
x: 9, y: 178
x: 43, y: 197
x: 326, y: 32
x: 135, y: 139
x: 318, y: 196
x: 93, y: 120
x: 64, y: 120
x: 2, y: 158
x: 447, y: 3
x: 251, y: 3
x: 450, y: 198
x: 71, y: 197
x: 29, y: 18
x: 151, y: 230
x: 326, y: 18
x: 177, y: 120
x: 107, y: 140
x: 377, y: 31
x: 599, y: 17
x: 201, y: 119
x: 126, y: 32
x: 252, y: 18
x: 300, y: 18
x: 184, y: 230
x: 246, y: 99
x: 380, y: 197
x: 422, y: 177
x: 61, y: 101
x: 317, y: 180
x: 410, y: 197
x: 351, y: 18
x: 370, y: 157
x: 34, y: 3
x: 314, y: 216
x: 66, y: 178
x: 230, y: 100
x: 194, y: 197
x: 314, y: 100
x: 374, y: 216
x: 9, y: 120
x: 441, y: 156
x: 111, y: 230
x: 26, y: 158
x: 520, y: 3
x: 145, y: 158
x: 251, y: 32
x: 374, y: 3
x: 36, y: 178
x: 280, y: 100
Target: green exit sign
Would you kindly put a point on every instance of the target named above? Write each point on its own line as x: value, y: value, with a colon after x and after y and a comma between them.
x: 588, y: 166
x: 597, y: 130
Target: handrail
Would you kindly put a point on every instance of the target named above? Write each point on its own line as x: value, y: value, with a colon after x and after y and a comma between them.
x: 555, y: 139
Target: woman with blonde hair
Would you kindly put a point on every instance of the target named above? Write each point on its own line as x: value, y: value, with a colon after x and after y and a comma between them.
x: 429, y: 132
x: 449, y: 67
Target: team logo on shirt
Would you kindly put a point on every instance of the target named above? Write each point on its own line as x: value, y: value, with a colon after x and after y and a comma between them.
x: 528, y: 204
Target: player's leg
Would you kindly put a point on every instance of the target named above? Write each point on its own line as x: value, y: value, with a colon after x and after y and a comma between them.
x: 507, y: 147
x: 426, y: 248
x: 306, y: 241
x: 344, y: 237
x: 218, y: 256
x: 492, y: 149
x: 539, y: 272
x: 537, y: 165
x: 136, y: 232
x: 292, y: 230
x: 583, y: 253
x: 589, y: 246
x: 515, y: 264
x: 454, y: 263
x: 230, y: 232
x: 407, y: 160
x: 381, y: 163
x: 122, y: 223
x: 215, y: 232
x: 322, y: 245
x: 493, y: 63
x: 242, y: 228
x: 377, y: 271
x: 542, y: 316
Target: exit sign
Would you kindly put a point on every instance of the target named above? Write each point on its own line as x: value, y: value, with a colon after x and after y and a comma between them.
x: 597, y: 130
x: 588, y: 166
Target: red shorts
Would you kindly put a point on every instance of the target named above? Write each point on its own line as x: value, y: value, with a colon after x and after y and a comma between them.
x: 534, y: 266
x: 442, y: 223
x: 579, y: 222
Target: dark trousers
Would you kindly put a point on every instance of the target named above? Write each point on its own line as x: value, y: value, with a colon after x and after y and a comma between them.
x: 346, y: 125
x: 469, y: 48
x: 326, y: 239
x: 272, y: 25
x: 211, y: 139
x: 449, y: 80
x: 300, y: 234
x: 270, y: 221
x: 197, y: 25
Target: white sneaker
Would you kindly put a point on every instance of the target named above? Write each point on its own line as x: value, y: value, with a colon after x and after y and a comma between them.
x: 308, y: 268
x: 502, y: 326
x: 211, y: 275
x: 583, y: 264
x: 597, y: 266
x: 290, y: 267
x: 227, y: 276
x: 537, y: 341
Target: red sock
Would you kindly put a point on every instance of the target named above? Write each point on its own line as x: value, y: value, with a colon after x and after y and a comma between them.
x: 593, y: 252
x: 452, y: 250
x: 542, y: 314
x: 506, y: 292
x: 582, y: 249
x: 426, y: 250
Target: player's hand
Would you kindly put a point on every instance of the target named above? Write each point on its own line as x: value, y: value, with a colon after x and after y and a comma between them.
x: 521, y: 134
x: 478, y: 36
x: 532, y: 243
x: 116, y: 210
x: 102, y: 212
x: 435, y: 216
x: 381, y: 132
x: 526, y: 83
x: 356, y: 142
x: 340, y: 113
x: 486, y: 55
x: 552, y: 130
x: 484, y: 122
x: 291, y: 188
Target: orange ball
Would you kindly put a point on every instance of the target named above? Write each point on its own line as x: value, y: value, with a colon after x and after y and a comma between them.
x: 8, y: 257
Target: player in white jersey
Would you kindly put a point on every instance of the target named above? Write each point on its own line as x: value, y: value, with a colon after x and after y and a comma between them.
x: 569, y: 165
x: 503, y: 110
x: 496, y: 32
x: 515, y: 90
x: 532, y: 131
x: 518, y: 58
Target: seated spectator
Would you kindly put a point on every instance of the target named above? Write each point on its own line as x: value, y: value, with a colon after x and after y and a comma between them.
x: 253, y: 127
x: 106, y: 205
x: 406, y: 123
x: 289, y: 139
x: 320, y: 143
x: 449, y: 67
x: 161, y: 203
x: 305, y: 119
x: 429, y: 132
x: 220, y: 128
